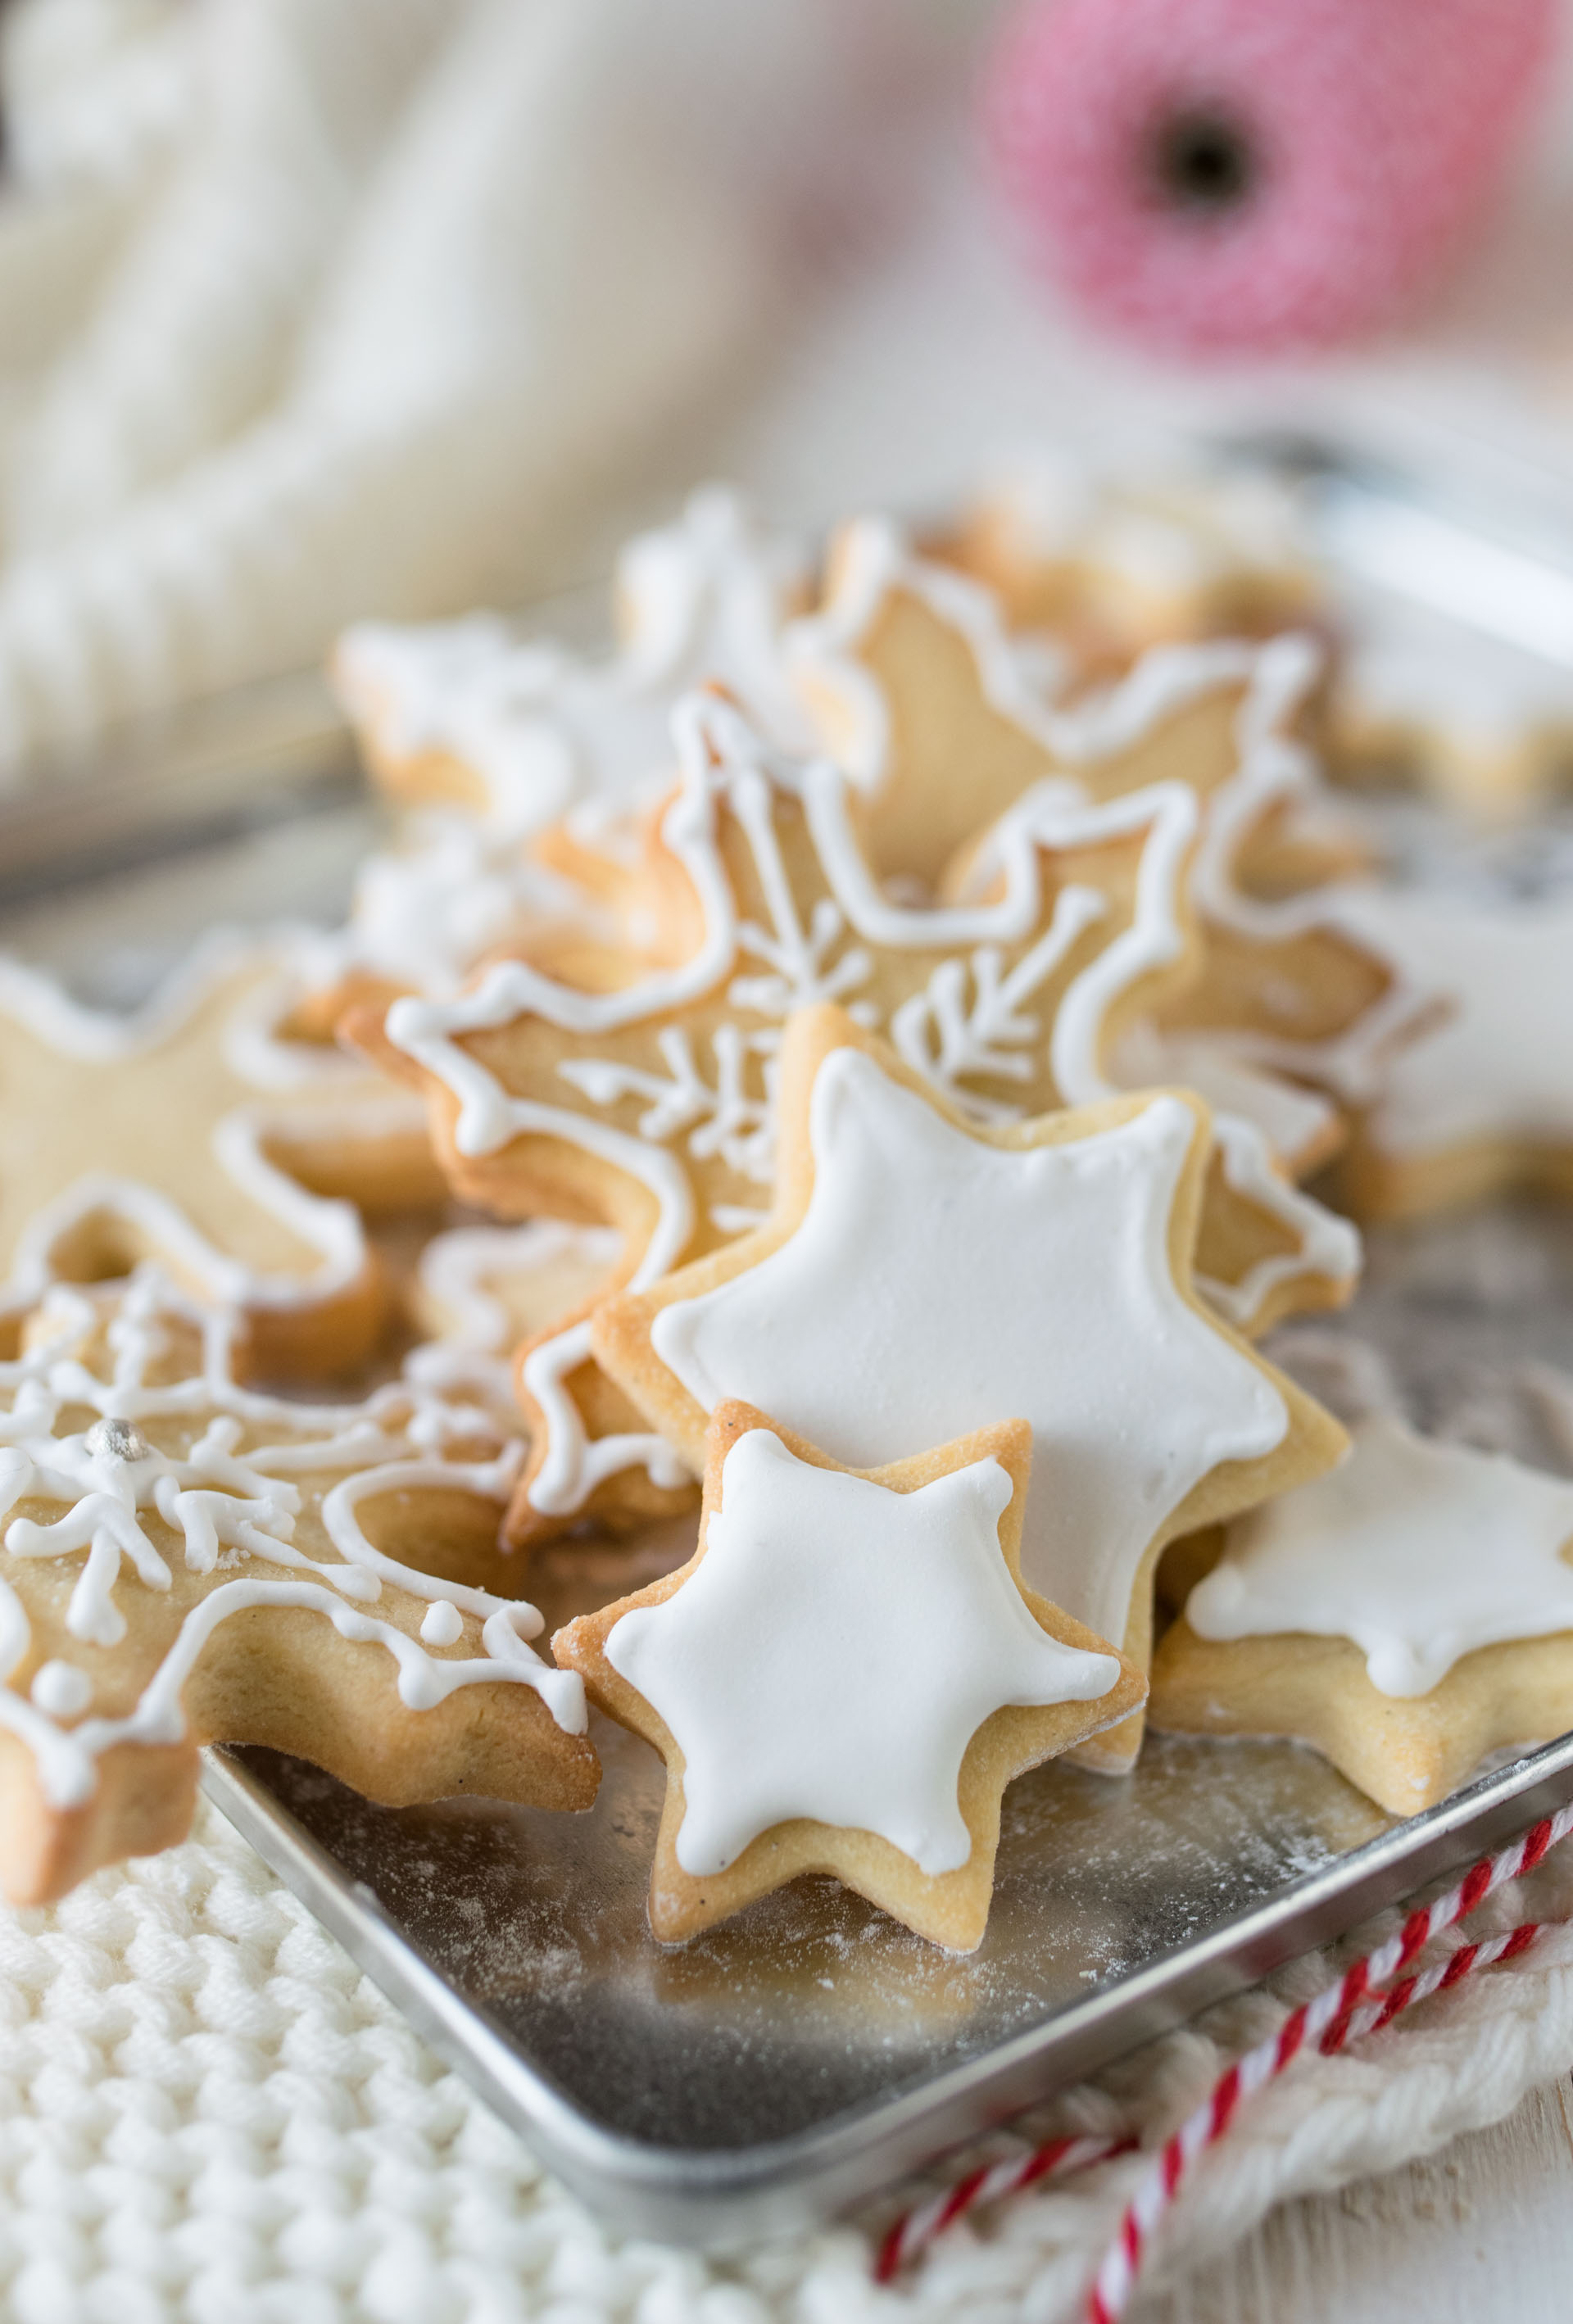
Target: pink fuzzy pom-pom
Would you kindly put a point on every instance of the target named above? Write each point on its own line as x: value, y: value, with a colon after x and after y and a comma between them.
x: 1250, y: 176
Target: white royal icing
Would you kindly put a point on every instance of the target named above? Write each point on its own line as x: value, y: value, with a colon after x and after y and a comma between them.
x: 1296, y: 1122
x: 835, y: 1650
x: 703, y: 599
x: 255, y: 1051
x: 543, y: 730
x: 1497, y: 1059
x: 1419, y: 1552
x: 227, y: 1505
x: 875, y: 560
x: 1275, y: 772
x: 936, y: 1282
x: 970, y: 1017
x: 463, y: 1273
x: 1173, y: 531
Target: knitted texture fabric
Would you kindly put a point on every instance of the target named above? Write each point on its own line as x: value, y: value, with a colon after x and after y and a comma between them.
x: 209, y: 2114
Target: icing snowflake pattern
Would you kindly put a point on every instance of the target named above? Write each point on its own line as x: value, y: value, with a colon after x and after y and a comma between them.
x: 147, y: 1445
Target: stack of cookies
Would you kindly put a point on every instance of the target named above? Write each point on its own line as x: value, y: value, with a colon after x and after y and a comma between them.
x: 882, y: 1073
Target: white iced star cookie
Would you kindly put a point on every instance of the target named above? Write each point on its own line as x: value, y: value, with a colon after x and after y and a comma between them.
x: 845, y: 1676
x: 919, y: 1272
x: 1407, y: 1614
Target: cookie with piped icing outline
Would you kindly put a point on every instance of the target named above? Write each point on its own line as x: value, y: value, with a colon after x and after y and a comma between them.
x: 919, y: 1270
x: 519, y: 730
x: 1482, y: 726
x: 1406, y: 1615
x: 198, y: 1132
x: 490, y: 738
x: 915, y: 684
x: 485, y: 1288
x: 188, y: 1561
x: 1479, y: 1102
x: 846, y: 1676
x: 1119, y: 559
x: 651, y: 1108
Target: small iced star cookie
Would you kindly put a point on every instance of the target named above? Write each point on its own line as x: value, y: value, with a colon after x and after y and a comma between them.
x: 846, y: 1676
x: 919, y: 1272
x: 1407, y: 1614
x: 184, y: 1561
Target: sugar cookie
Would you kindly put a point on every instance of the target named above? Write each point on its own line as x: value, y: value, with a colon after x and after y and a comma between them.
x: 1461, y: 1086
x: 188, y: 1561
x: 650, y: 1108
x: 1120, y: 560
x: 1407, y: 1615
x: 845, y: 1676
x: 1485, y: 727
x: 919, y: 1270
x: 194, y: 1132
x: 492, y: 737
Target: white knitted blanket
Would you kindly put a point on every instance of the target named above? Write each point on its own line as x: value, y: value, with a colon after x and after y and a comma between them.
x: 209, y: 2114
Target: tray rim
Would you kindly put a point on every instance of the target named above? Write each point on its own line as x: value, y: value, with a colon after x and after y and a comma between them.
x: 715, y: 2199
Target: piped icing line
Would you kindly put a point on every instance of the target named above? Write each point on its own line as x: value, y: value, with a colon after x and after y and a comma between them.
x: 254, y: 1049
x: 218, y: 1500
x: 1483, y: 1051
x: 1419, y: 1552
x: 719, y: 755
x: 547, y: 733
x: 254, y: 1046
x: 455, y: 1269
x: 875, y: 560
x: 1048, y: 1289
x: 834, y: 1651
x: 703, y: 599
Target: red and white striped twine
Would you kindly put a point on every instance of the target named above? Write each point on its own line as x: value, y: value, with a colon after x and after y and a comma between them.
x: 1361, y: 2002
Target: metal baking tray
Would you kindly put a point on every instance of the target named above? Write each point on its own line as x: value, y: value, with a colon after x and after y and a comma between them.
x: 789, y: 2062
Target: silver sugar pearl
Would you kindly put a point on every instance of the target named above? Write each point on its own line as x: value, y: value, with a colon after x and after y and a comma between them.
x: 117, y: 1440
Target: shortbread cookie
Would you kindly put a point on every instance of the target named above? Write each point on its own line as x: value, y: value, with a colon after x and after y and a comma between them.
x: 846, y: 1676
x: 196, y: 1133
x: 1118, y: 560
x: 919, y: 1270
x: 1485, y: 727
x: 187, y: 1562
x: 492, y: 737
x: 1407, y: 1615
x: 650, y: 1108
x: 1461, y: 1086
x: 487, y: 1288
x: 942, y: 719
x: 518, y: 730
x: 921, y: 696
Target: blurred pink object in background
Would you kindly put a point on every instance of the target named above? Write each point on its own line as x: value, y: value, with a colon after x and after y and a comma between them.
x: 1232, y: 176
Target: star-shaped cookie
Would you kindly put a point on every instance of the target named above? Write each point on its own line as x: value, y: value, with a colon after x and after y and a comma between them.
x: 650, y: 1106
x: 846, y: 1676
x: 197, y: 1133
x: 1407, y: 1615
x: 187, y: 1562
x: 920, y: 1272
